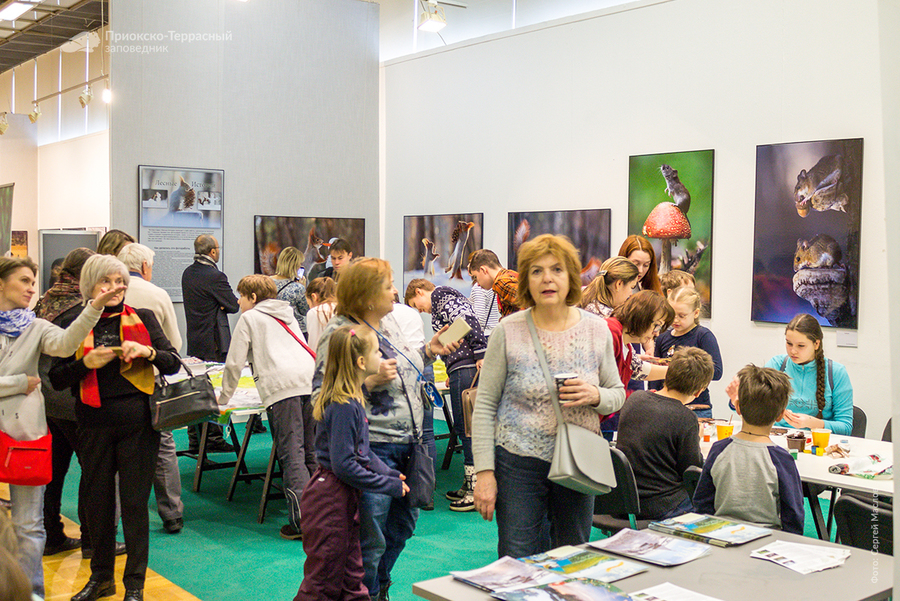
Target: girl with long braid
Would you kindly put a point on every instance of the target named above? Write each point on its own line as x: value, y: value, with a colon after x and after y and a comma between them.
x: 822, y: 394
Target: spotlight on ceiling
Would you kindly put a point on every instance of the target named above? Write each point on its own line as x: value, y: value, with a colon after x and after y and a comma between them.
x: 35, y: 113
x: 107, y: 95
x: 4, y: 124
x: 85, y: 97
x: 432, y: 18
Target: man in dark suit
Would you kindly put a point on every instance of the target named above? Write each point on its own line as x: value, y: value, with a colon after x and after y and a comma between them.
x: 208, y: 299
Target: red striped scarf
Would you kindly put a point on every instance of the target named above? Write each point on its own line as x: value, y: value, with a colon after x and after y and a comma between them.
x: 139, y: 372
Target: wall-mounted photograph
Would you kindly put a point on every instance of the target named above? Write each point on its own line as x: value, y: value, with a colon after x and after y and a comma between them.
x: 311, y: 235
x: 807, y: 232
x: 670, y: 202
x: 437, y: 247
x: 587, y: 229
x: 6, y: 200
x: 186, y: 198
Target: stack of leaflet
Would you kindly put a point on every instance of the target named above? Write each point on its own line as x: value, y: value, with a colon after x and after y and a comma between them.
x: 801, y: 558
x: 578, y: 589
x: 652, y: 547
x: 710, y: 529
x: 542, y: 575
x: 505, y: 574
x: 584, y: 563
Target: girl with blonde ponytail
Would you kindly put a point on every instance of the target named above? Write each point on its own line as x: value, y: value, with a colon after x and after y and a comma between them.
x: 686, y: 331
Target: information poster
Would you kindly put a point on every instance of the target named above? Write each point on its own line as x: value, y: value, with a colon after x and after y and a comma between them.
x: 176, y: 206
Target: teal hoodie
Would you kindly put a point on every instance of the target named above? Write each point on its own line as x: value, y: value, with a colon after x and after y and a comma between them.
x: 838, y: 411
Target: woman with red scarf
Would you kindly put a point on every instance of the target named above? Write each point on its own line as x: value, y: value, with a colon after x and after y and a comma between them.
x: 111, y: 375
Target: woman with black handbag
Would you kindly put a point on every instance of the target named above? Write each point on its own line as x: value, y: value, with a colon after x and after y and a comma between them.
x: 365, y: 297
x: 111, y: 375
x: 22, y: 340
x: 515, y: 424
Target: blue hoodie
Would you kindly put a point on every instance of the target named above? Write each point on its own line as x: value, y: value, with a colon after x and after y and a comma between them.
x: 838, y: 411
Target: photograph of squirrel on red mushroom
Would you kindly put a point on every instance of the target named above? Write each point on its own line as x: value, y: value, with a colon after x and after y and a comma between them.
x: 807, y: 232
x: 588, y: 230
x: 437, y: 248
x: 670, y: 202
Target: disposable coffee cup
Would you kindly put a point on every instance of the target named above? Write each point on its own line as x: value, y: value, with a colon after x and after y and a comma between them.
x: 561, y: 379
x: 820, y: 437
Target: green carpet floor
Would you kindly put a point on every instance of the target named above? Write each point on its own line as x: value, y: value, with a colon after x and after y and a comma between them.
x: 224, y: 555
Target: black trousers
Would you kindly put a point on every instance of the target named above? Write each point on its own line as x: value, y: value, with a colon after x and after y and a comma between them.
x: 65, y: 444
x: 130, y: 451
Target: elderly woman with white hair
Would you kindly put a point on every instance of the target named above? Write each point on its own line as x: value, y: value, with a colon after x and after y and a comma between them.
x: 111, y: 375
x: 23, y: 338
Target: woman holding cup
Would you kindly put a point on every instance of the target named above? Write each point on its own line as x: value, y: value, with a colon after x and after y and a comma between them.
x: 514, y: 423
x: 822, y: 397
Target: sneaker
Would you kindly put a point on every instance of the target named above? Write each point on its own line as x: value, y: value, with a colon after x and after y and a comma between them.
x: 288, y: 532
x: 467, y: 503
x: 456, y: 495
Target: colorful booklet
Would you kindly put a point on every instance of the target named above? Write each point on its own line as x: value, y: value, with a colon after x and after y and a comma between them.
x: 652, y: 547
x: 802, y: 558
x: 585, y: 563
x: 578, y: 589
x: 506, y: 574
x: 710, y: 529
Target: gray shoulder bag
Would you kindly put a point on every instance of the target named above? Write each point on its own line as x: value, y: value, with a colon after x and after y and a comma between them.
x: 581, y: 459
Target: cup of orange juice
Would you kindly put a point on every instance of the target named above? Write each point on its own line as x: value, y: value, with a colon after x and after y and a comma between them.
x: 723, y: 431
x: 820, y: 437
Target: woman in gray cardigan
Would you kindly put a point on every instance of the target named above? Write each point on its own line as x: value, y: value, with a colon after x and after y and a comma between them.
x: 514, y: 424
x: 22, y: 340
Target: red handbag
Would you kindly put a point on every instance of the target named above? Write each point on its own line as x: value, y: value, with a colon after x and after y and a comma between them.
x: 26, y: 462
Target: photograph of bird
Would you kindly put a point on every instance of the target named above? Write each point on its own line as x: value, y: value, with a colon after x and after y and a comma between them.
x: 458, y: 240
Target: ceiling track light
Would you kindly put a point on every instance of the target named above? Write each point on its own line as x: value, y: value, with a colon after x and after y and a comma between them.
x: 85, y: 97
x: 4, y: 124
x: 432, y: 17
x: 106, y: 96
x: 35, y: 114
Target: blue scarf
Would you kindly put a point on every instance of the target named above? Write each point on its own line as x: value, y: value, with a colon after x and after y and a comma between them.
x: 13, y: 323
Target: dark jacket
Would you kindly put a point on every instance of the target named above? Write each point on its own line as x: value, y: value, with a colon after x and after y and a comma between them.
x: 208, y: 299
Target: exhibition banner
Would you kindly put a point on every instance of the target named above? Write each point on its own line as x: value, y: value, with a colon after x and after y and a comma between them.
x: 176, y: 206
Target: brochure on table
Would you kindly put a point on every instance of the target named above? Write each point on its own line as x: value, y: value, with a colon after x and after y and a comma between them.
x: 652, y: 547
x: 710, y: 529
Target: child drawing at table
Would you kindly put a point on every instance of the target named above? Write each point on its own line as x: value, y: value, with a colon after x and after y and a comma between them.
x: 746, y: 477
x: 330, y: 501
x: 686, y: 332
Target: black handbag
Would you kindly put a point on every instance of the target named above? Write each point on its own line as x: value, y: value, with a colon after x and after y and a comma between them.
x: 184, y: 403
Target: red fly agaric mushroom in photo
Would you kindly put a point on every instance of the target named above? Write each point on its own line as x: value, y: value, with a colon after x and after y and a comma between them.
x: 666, y: 222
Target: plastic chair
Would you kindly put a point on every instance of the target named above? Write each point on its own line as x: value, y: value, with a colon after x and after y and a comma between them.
x: 690, y: 479
x: 622, y: 500
x: 864, y: 524
x: 859, y: 423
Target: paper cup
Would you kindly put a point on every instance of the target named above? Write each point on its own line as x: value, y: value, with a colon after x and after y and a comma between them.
x: 796, y: 444
x: 724, y: 431
x: 561, y: 379
x: 820, y: 437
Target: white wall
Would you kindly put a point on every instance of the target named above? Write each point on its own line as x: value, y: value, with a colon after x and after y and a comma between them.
x: 287, y: 105
x: 73, y: 182
x: 546, y: 117
x: 19, y: 165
